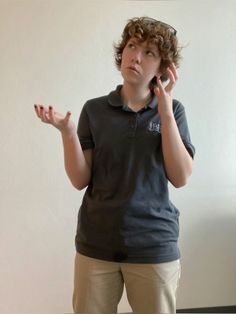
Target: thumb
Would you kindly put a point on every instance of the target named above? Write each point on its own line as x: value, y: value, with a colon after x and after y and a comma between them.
x: 67, y: 117
x: 157, y: 91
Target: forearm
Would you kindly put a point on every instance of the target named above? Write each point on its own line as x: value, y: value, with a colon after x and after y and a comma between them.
x: 178, y: 162
x: 76, y: 166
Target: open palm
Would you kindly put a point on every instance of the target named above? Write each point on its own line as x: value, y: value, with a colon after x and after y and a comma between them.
x: 48, y: 115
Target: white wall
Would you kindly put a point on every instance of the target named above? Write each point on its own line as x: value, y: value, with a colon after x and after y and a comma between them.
x: 60, y: 52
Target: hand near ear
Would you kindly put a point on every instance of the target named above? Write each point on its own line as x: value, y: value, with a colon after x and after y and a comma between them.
x: 164, y: 94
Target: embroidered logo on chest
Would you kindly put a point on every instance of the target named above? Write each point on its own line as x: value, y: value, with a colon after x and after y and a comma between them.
x: 154, y: 127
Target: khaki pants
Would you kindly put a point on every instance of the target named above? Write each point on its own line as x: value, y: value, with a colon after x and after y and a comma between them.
x: 98, y: 286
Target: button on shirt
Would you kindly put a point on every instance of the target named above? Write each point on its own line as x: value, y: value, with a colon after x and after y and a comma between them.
x: 126, y: 214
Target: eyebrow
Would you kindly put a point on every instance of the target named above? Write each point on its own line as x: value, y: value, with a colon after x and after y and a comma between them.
x: 149, y: 46
x: 152, y: 47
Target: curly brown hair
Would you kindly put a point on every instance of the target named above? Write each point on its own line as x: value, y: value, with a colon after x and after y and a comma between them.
x: 154, y: 32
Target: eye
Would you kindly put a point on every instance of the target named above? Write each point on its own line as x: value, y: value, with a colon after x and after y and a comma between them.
x: 150, y: 53
x: 130, y: 45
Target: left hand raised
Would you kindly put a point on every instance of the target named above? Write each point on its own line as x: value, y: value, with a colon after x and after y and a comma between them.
x: 164, y: 94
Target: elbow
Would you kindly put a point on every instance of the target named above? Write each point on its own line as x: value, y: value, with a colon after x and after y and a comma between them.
x: 180, y: 181
x: 78, y: 181
x: 79, y: 185
x: 178, y: 173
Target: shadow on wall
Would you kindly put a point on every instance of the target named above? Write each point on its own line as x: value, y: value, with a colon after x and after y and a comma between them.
x: 209, y: 265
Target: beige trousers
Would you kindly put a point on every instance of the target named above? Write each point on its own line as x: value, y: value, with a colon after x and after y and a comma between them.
x: 98, y: 286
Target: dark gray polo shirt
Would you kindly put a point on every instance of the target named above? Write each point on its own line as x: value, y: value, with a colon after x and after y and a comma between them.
x: 126, y: 214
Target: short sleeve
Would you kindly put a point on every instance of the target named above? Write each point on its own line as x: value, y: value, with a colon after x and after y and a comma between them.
x: 181, y: 120
x: 83, y: 130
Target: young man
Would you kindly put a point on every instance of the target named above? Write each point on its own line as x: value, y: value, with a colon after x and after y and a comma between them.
x: 130, y: 143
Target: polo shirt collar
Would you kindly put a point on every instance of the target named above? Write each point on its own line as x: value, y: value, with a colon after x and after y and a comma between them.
x: 115, y: 100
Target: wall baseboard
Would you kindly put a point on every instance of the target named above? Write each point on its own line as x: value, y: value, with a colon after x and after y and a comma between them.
x: 216, y: 309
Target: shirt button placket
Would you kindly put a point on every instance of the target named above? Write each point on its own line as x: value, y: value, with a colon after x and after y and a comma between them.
x: 134, y: 124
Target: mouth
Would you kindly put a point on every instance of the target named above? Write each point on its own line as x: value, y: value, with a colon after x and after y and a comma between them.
x: 133, y: 69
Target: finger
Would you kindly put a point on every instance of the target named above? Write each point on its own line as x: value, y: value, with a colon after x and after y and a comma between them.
x: 174, y: 70
x: 36, y: 108
x: 161, y: 89
x: 51, y: 115
x: 172, y: 81
x: 156, y: 88
x: 41, y: 111
x: 157, y: 91
x: 44, y: 114
x: 67, y: 117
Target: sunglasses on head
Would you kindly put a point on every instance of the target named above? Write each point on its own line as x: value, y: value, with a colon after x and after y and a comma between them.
x: 165, y: 25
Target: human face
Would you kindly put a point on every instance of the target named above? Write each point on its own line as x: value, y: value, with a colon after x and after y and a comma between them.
x: 140, y: 62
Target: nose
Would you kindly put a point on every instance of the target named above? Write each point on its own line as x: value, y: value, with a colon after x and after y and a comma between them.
x: 137, y: 57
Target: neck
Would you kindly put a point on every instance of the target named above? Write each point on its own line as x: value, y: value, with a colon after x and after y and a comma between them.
x: 135, y: 97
